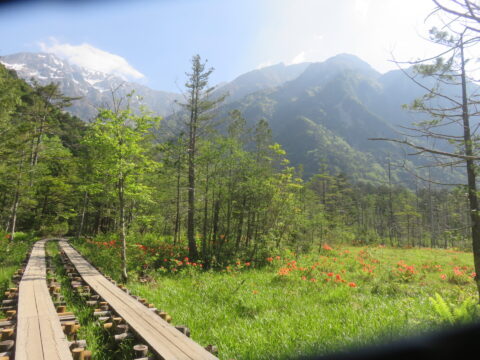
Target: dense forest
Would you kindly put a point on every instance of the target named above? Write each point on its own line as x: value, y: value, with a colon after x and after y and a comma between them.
x: 220, y: 187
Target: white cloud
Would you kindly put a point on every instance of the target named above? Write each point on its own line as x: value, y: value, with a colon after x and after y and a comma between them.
x: 88, y: 56
x: 299, y: 58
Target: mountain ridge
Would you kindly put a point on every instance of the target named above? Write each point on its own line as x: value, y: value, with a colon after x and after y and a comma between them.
x: 331, y: 108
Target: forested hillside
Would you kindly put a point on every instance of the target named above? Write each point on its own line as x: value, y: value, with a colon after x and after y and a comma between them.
x: 60, y: 175
x: 322, y: 114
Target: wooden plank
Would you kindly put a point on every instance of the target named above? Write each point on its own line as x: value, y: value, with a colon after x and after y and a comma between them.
x: 39, y: 335
x: 162, y: 338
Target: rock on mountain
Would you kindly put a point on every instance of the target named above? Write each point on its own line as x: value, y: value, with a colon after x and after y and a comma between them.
x: 94, y: 87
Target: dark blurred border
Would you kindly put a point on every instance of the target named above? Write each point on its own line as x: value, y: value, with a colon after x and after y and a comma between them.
x: 23, y: 3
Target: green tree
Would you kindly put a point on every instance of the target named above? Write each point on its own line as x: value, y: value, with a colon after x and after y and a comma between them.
x: 118, y: 143
x: 199, y: 108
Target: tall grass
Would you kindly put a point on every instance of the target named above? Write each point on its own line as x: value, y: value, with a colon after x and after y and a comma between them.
x: 303, y: 304
x: 12, y: 253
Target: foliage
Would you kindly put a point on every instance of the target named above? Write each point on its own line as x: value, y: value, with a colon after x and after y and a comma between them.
x: 275, y: 301
x: 465, y: 312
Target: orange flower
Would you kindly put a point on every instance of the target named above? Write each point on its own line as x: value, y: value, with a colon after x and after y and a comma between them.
x: 443, y: 277
x: 254, y: 292
x: 326, y: 247
x: 352, y: 284
x: 330, y: 274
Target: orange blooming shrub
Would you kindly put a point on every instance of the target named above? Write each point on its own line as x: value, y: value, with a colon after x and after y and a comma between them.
x: 327, y: 247
x: 461, y: 275
x: 327, y: 270
x: 429, y: 267
x: 404, y: 272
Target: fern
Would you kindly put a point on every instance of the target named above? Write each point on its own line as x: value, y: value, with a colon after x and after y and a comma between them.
x: 442, y: 308
x: 467, y: 311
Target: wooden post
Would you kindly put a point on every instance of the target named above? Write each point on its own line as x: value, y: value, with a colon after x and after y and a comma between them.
x: 7, y: 334
x: 121, y: 328
x: 11, y: 314
x: 87, y: 355
x: 6, y: 345
x: 183, y: 329
x: 117, y: 320
x: 122, y: 337
x: 77, y: 344
x: 77, y: 353
x: 70, y: 328
x: 212, y: 349
x: 141, y: 350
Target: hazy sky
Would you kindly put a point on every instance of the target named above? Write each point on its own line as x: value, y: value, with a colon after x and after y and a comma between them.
x: 152, y: 42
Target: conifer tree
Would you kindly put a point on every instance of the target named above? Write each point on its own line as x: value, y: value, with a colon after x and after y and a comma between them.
x: 199, y: 107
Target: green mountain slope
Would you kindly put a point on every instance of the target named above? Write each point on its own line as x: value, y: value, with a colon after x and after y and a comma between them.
x: 325, y: 117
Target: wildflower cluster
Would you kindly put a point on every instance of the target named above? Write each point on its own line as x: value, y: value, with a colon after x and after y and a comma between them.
x: 460, y: 275
x: 404, y: 272
x: 104, y: 244
x: 316, y: 272
x: 431, y: 268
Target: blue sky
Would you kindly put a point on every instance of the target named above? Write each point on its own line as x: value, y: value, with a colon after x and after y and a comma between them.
x: 151, y: 42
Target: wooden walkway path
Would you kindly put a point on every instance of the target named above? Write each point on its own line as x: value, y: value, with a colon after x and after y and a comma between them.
x: 39, y: 333
x: 162, y: 338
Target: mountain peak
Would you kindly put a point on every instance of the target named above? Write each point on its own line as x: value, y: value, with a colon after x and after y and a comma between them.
x: 92, y: 86
x: 351, y: 62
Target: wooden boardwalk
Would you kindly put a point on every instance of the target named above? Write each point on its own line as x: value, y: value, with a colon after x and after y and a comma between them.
x: 162, y: 338
x: 39, y: 333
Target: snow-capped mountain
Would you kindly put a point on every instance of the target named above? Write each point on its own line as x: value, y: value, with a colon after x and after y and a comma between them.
x: 94, y: 87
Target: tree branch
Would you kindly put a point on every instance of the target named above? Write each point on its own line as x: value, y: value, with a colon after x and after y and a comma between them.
x: 424, y: 149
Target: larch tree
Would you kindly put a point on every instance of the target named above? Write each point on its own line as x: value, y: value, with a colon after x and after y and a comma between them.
x: 199, y: 108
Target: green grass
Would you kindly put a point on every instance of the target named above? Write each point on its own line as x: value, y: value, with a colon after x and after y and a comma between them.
x: 295, y: 305
x: 12, y: 253
x: 257, y: 313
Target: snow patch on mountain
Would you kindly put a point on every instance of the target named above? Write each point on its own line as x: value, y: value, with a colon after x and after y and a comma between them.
x: 93, y: 86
